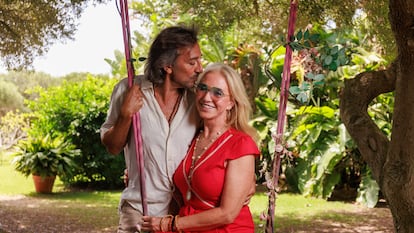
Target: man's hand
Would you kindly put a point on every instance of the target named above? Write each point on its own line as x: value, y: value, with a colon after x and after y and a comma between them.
x: 126, y: 180
x: 133, y: 101
x: 116, y: 137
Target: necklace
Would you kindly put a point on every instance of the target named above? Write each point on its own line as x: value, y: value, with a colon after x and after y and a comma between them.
x: 196, y: 156
x: 171, y: 115
x: 175, y: 109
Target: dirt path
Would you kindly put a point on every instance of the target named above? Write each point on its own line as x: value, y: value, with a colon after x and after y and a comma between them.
x: 21, y: 214
x: 377, y: 220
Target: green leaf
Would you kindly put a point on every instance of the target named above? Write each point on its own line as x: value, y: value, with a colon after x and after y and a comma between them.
x: 299, y: 35
x: 328, y: 60
x: 295, y: 90
x: 368, y: 190
x: 310, y: 75
x: 334, y: 50
x: 314, y: 38
x: 302, y: 97
x: 306, y: 35
x: 319, y: 77
x: 267, y: 106
x: 333, y: 66
x: 329, y: 183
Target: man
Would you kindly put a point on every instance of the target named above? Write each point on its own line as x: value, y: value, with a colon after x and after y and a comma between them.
x: 168, y: 121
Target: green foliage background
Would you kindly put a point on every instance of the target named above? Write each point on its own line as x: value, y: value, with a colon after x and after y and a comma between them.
x: 250, y: 36
x: 76, y: 110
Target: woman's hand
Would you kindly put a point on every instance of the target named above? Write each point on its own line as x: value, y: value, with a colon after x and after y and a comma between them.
x: 160, y: 224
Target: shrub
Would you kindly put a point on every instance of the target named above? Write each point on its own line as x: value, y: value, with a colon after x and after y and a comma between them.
x: 77, y: 110
x: 44, y: 156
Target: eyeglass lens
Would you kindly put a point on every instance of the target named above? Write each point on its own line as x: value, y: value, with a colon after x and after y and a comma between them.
x: 217, y: 92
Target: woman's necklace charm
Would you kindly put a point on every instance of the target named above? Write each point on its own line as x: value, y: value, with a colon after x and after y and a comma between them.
x: 188, y: 196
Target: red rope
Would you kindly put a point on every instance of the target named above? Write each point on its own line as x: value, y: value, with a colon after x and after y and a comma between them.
x: 284, y: 92
x: 136, y: 123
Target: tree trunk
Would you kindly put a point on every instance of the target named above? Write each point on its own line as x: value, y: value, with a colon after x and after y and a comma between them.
x: 391, y: 161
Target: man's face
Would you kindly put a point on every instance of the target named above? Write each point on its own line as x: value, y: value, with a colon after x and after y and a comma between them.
x: 187, y: 66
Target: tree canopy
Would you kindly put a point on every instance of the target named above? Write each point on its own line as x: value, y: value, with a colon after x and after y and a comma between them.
x: 29, y: 28
x: 260, y: 21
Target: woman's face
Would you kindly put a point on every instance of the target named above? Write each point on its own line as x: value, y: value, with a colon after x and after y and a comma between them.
x: 213, y: 97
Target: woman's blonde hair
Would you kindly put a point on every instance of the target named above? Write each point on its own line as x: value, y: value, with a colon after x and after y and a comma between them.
x: 238, y: 116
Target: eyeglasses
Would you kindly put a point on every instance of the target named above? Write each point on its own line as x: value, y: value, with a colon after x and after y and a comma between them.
x: 215, y: 91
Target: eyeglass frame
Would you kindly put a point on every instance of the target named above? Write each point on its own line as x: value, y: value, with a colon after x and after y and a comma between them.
x: 215, y: 92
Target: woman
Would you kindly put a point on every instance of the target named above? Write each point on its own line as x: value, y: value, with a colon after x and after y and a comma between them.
x: 214, y: 177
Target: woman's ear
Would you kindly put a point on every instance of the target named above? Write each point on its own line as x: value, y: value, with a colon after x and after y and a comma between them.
x: 230, y: 106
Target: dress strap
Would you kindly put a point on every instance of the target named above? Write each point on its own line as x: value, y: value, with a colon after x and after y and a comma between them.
x: 190, y: 188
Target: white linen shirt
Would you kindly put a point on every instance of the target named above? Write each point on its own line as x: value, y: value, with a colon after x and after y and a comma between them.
x: 164, y: 146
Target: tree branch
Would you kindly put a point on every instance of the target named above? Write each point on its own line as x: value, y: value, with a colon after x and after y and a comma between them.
x: 354, y: 100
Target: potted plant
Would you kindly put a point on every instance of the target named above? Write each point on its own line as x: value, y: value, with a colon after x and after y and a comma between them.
x: 45, y: 158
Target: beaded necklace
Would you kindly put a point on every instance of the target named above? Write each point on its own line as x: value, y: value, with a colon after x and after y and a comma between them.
x: 195, y: 158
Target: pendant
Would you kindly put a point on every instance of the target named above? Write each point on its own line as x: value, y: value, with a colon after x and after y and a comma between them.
x: 188, y: 196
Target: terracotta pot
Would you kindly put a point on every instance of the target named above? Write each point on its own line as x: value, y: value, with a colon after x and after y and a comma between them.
x: 44, y: 184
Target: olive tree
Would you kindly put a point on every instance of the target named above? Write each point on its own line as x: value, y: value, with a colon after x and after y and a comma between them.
x: 29, y: 28
x: 391, y: 160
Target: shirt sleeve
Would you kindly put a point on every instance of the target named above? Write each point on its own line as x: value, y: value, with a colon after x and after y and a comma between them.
x: 114, y: 106
x: 244, y: 145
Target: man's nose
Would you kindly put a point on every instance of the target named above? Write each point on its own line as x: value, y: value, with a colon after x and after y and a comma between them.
x: 199, y: 68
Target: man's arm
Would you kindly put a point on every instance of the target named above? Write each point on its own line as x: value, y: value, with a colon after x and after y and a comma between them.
x: 116, y: 137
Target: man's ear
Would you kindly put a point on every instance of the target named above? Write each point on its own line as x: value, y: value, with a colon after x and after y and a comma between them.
x: 168, y: 69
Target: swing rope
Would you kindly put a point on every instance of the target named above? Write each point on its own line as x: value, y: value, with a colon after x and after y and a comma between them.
x: 284, y: 93
x: 136, y: 123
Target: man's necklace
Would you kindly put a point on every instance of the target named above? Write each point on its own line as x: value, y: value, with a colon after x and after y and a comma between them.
x: 175, y: 109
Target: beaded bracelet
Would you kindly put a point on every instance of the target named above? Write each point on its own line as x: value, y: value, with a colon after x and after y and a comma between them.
x: 177, y: 229
x: 161, y: 220
x: 168, y: 224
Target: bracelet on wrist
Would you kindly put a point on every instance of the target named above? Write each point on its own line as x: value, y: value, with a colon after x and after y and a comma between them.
x: 165, y: 223
x: 170, y: 219
x: 173, y: 229
x: 161, y: 220
x: 176, y: 226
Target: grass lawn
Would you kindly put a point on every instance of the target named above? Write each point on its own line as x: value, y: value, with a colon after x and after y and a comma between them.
x: 96, y: 211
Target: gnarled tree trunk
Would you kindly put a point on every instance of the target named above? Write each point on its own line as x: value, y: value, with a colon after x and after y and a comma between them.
x: 391, y: 161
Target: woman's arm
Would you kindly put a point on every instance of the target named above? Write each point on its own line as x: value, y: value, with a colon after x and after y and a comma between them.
x: 235, y: 191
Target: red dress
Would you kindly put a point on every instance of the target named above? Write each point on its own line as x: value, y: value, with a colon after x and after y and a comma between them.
x: 208, y: 178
